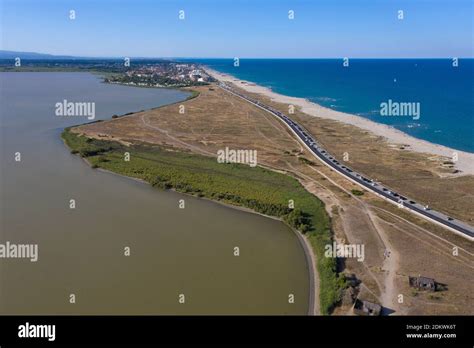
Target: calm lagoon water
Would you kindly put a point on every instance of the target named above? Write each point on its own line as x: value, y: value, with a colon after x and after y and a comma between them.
x: 173, y: 251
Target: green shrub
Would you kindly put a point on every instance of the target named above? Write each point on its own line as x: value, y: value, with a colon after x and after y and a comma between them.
x: 357, y: 192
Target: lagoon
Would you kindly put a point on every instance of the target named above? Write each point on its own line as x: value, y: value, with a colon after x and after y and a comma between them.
x: 81, y: 251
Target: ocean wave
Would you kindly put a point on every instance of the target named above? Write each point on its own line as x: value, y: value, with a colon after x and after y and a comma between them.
x: 414, y: 125
x: 325, y: 99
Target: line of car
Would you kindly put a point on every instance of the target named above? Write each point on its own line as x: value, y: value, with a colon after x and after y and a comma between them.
x: 403, y: 202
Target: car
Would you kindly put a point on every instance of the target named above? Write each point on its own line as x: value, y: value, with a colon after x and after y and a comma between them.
x: 450, y: 218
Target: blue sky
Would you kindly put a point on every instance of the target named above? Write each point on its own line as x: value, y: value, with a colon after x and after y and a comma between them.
x: 240, y: 28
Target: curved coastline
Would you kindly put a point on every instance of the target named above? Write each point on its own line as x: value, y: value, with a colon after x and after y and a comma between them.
x: 313, y: 295
x: 313, y: 291
x: 310, y: 258
x: 465, y: 162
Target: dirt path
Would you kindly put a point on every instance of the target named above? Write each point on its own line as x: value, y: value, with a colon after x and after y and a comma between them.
x: 391, y: 264
x: 314, y: 306
x: 388, y: 297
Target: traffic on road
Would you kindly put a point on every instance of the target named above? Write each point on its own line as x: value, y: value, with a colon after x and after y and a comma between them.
x: 319, y: 152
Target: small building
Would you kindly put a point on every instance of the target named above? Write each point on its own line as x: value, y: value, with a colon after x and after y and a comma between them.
x: 367, y: 308
x: 422, y: 283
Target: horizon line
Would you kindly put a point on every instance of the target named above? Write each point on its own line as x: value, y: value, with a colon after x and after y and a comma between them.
x: 59, y: 57
x: 54, y: 56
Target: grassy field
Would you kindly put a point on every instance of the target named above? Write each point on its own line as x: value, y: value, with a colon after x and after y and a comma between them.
x: 259, y: 189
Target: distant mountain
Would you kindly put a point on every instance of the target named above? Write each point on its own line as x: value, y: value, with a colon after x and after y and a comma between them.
x: 30, y: 55
x: 44, y: 56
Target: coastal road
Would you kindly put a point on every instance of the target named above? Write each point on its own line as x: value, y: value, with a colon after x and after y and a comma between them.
x: 386, y: 193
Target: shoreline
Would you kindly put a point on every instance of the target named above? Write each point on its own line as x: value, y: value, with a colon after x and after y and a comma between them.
x: 311, y: 262
x: 465, y: 162
x: 310, y: 257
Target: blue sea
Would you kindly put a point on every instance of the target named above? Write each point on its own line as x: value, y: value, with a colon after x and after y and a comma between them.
x: 445, y: 93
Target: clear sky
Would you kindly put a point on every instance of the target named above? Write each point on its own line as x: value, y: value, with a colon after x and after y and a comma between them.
x: 240, y: 28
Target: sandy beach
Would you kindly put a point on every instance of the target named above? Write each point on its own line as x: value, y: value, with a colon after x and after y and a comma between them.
x: 465, y: 160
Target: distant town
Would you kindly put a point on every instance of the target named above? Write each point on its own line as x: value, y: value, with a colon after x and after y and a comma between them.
x: 167, y: 74
x: 138, y: 72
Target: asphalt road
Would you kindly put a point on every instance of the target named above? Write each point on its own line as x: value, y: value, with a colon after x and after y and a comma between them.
x: 320, y: 153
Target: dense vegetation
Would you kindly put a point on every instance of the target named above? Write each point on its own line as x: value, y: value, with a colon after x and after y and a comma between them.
x: 306, y: 161
x: 256, y: 188
x: 105, y: 65
x: 357, y: 192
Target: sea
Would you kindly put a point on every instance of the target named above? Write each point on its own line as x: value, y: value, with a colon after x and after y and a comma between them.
x: 437, y: 95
